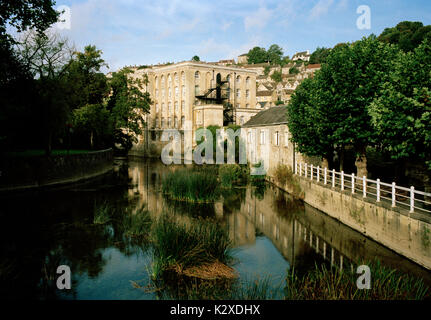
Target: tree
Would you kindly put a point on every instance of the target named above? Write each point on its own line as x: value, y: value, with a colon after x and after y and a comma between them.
x: 33, y: 14
x: 275, y: 54
x: 308, y: 132
x: 127, y: 105
x: 407, y: 35
x: 277, y: 76
x: 48, y: 57
x: 402, y: 111
x: 319, y: 55
x: 345, y: 87
x: 196, y: 58
x: 257, y: 55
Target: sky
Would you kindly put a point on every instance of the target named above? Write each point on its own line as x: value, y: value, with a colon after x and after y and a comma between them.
x: 140, y: 32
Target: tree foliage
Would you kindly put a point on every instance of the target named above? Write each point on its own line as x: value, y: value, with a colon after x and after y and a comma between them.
x: 402, y: 112
x: 277, y: 76
x: 407, y: 35
x: 319, y: 55
x: 196, y: 58
x: 257, y: 55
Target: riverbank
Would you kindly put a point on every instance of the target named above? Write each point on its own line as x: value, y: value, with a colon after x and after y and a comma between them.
x: 18, y: 173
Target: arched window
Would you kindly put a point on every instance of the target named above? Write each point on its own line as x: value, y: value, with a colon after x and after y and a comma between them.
x: 156, y: 82
x: 176, y: 77
x: 238, y: 79
x: 183, y: 76
x: 176, y: 92
x: 169, y: 107
x: 183, y: 106
x: 183, y: 90
x: 163, y: 81
x: 228, y: 78
x: 177, y: 110
x: 247, y: 81
x: 247, y: 94
x: 169, y: 80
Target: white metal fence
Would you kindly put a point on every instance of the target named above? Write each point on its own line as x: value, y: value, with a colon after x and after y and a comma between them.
x: 406, y: 198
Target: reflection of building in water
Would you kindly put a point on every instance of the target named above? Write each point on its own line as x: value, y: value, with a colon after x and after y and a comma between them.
x: 298, y: 232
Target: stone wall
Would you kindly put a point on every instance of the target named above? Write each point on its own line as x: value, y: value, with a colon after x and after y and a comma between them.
x: 28, y: 172
x: 407, y: 234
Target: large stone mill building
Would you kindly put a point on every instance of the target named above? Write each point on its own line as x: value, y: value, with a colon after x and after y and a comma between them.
x: 204, y: 94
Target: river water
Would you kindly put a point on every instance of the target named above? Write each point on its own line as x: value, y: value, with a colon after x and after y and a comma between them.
x: 270, y: 232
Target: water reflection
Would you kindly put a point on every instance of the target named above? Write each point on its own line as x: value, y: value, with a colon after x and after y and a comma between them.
x: 270, y: 231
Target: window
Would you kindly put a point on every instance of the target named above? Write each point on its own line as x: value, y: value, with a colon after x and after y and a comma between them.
x: 238, y: 93
x: 197, y: 75
x: 163, y: 81
x: 277, y: 138
x: 169, y: 92
x: 163, y: 93
x: 176, y: 92
x: 247, y: 94
x: 183, y: 76
x: 163, y: 108
x: 169, y: 80
x: 169, y: 122
x: 176, y: 77
x: 156, y: 122
x: 163, y: 123
x: 183, y: 90
x: 238, y: 79
x: 247, y: 81
x: 183, y: 120
x: 262, y: 137
x: 176, y: 122
x: 196, y: 90
x: 157, y: 107
x: 228, y: 78
x: 157, y: 92
x: 177, y: 110
x: 156, y: 82
x: 286, y: 138
x: 183, y: 106
x: 170, y: 107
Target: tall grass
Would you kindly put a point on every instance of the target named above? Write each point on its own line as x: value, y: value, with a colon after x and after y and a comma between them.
x: 231, y: 174
x: 284, y: 176
x: 187, y: 185
x: 180, y: 246
x: 323, y: 283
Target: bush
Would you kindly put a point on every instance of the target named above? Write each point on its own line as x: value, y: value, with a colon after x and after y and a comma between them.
x: 284, y: 176
x: 231, y: 174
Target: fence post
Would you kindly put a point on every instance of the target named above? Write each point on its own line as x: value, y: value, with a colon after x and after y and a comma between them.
x: 412, y: 199
x: 364, y: 186
x: 311, y: 172
x: 296, y: 167
x: 393, y: 195
x: 342, y: 180
x: 378, y: 190
x: 300, y: 169
x: 353, y: 183
x: 333, y: 178
x: 325, y: 176
x: 318, y: 173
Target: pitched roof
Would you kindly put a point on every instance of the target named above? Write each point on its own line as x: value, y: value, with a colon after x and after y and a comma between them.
x: 274, y: 115
x: 313, y: 66
x: 264, y: 93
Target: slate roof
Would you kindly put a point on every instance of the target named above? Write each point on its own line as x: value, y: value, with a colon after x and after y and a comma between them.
x: 271, y: 116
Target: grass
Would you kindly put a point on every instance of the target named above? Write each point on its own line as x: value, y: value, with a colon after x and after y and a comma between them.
x: 180, y: 247
x: 187, y: 185
x: 323, y: 283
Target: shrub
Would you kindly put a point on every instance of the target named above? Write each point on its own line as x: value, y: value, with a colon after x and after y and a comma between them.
x: 284, y: 176
x: 231, y: 174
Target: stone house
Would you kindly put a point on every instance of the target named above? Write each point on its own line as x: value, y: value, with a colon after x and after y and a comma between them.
x: 243, y: 59
x: 267, y: 139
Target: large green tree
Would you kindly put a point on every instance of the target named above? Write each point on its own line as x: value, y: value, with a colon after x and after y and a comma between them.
x: 407, y: 35
x: 319, y: 55
x: 127, y: 104
x: 257, y: 55
x: 402, y: 112
x: 346, y: 85
x: 275, y: 54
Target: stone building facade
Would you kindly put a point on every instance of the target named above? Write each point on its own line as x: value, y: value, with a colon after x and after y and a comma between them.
x: 197, y: 93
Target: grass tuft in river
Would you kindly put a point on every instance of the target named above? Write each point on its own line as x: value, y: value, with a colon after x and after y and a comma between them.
x: 323, y: 283
x: 187, y: 185
x: 181, y: 248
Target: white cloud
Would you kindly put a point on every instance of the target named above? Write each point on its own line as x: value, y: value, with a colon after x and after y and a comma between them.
x: 321, y: 8
x: 257, y: 19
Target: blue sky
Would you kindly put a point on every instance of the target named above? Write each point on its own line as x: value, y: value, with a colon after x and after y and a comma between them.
x: 134, y: 32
